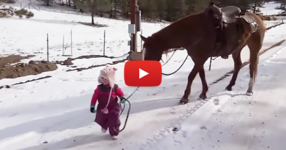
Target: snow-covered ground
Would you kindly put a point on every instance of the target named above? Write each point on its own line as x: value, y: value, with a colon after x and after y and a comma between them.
x: 53, y: 113
x: 269, y: 9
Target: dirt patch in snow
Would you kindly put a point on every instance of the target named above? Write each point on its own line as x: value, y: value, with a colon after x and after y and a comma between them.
x: 101, y: 65
x: 4, y: 61
x: 23, y: 69
x: 93, y: 25
x: 68, y: 61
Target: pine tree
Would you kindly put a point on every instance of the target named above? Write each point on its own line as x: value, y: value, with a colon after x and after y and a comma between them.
x: 175, y: 9
x: 151, y: 8
x: 161, y: 9
x: 200, y: 5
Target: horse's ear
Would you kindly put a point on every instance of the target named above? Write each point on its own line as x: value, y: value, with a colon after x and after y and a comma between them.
x: 143, y: 38
x: 211, y: 3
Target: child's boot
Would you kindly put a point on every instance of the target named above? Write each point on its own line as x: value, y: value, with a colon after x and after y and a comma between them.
x: 103, y: 130
x: 114, y: 137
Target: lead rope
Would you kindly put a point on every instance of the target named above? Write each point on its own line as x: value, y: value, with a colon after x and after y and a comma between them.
x: 210, y: 65
x: 128, y: 111
x: 168, y: 74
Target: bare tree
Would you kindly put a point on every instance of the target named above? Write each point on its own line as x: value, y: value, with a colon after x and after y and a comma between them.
x: 93, y: 6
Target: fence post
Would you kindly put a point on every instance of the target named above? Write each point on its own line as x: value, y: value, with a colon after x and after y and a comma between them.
x: 104, y: 43
x: 47, y: 46
x: 71, y: 42
x: 63, y: 45
x: 141, y: 38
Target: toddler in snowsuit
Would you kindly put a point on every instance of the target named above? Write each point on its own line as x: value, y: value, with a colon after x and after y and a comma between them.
x: 108, y: 109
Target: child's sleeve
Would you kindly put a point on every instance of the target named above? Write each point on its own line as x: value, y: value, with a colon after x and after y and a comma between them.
x: 119, y: 92
x: 94, y: 97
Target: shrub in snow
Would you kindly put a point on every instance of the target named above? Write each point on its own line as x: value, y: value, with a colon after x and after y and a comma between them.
x: 24, y: 12
x: 8, y: 12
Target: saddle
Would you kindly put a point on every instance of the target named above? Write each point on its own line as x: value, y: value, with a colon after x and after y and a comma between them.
x: 230, y: 15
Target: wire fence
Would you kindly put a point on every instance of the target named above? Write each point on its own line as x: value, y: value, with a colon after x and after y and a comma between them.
x: 53, y: 46
x: 72, y: 43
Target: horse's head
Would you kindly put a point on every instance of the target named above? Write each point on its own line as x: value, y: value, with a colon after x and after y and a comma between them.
x: 151, y: 50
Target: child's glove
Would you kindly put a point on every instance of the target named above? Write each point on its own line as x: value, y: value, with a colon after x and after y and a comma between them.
x: 122, y: 100
x: 92, y: 108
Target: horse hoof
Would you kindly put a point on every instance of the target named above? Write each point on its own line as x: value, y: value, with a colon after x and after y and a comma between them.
x: 229, y: 88
x: 203, y: 96
x: 184, y: 100
x: 249, y: 93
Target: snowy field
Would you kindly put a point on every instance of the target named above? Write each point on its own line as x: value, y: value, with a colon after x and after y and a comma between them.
x: 53, y: 113
x: 269, y: 9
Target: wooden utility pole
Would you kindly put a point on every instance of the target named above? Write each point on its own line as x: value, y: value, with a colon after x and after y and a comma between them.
x: 133, y: 7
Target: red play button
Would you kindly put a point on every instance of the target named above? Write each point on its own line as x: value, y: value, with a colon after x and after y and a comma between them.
x: 143, y: 73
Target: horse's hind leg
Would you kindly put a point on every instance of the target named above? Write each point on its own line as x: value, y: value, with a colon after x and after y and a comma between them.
x: 254, y: 48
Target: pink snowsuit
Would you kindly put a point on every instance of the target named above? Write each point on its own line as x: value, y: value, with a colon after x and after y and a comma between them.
x: 111, y: 119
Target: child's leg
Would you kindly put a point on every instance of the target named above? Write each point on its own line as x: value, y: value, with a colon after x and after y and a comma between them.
x: 114, y: 123
x: 102, y: 120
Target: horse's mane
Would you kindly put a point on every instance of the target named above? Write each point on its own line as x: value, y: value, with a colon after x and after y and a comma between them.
x: 174, y: 26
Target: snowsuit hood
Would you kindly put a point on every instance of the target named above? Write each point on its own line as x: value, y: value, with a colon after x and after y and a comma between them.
x: 107, y: 77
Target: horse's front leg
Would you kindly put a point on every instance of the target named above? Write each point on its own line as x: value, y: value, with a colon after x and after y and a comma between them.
x: 191, y: 77
x: 203, y: 95
x: 237, y: 66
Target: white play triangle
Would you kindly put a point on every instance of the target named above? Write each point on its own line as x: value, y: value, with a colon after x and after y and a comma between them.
x: 142, y: 73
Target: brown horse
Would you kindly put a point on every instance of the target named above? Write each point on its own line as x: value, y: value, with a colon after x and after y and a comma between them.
x: 198, y: 34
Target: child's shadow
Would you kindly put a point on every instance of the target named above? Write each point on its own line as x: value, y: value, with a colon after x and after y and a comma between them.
x: 72, y: 142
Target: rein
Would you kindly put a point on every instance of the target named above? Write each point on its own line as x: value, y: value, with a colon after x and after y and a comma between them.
x: 196, y: 42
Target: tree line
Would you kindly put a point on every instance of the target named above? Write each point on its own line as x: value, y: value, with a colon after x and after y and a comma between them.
x: 156, y: 10
x: 169, y: 10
